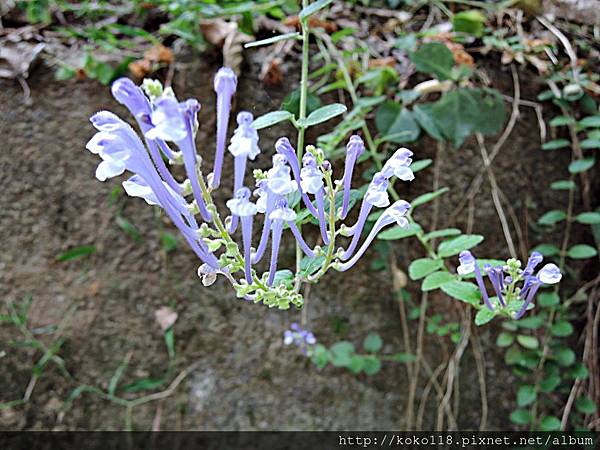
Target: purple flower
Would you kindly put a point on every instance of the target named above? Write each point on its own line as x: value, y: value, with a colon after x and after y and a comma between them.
x: 284, y: 148
x: 225, y: 85
x: 468, y: 264
x: 376, y: 195
x: 354, y: 149
x: 311, y: 181
x: 303, y: 339
x: 242, y: 207
x: 398, y: 165
x: 496, y: 276
x: 396, y: 213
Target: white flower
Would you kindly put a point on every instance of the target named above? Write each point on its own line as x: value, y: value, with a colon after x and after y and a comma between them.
x: 311, y: 179
x: 244, y: 141
x: 283, y: 213
x: 398, y: 165
x: 549, y: 274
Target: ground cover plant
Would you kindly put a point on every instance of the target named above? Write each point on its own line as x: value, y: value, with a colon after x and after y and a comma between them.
x: 274, y: 202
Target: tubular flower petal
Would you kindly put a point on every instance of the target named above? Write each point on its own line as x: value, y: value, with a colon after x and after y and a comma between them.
x: 469, y: 264
x: 394, y: 214
x: 398, y: 165
x: 225, y: 85
x: 354, y: 149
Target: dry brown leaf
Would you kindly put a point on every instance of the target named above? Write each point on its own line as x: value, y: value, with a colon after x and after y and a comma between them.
x: 313, y: 22
x: 227, y: 36
x: 165, y: 317
x: 271, y: 74
x: 16, y: 58
x: 388, y: 61
x: 153, y: 57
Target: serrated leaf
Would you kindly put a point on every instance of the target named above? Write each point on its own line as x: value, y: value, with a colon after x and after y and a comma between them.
x: 526, y: 395
x: 582, y: 251
x: 372, y: 343
x: 423, y: 267
x: 271, y: 118
x: 581, y: 165
x: 426, y: 198
x: 434, y: 58
x: 463, y: 291
x: 458, y: 244
x: 588, y: 218
x: 483, y: 316
x: 435, y: 280
x: 323, y: 114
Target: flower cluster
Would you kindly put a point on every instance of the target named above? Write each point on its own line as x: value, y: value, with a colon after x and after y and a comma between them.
x: 511, y: 299
x: 303, y: 339
x: 168, y: 128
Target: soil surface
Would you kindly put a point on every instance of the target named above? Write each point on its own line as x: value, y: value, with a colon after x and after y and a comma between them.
x: 243, y: 376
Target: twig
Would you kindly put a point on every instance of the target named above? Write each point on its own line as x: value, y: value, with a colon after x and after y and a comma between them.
x: 480, y: 361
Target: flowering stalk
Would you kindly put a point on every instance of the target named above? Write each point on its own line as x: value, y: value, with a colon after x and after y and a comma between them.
x: 225, y: 86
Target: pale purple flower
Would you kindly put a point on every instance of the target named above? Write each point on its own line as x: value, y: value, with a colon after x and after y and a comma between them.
x: 303, y: 339
x: 549, y: 274
x: 243, y: 146
x: 396, y: 213
x: 284, y: 148
x: 354, y: 149
x: 398, y: 165
x: 242, y: 207
x: 225, y: 85
x: 496, y: 276
x: 376, y: 195
x: 468, y: 264
x: 312, y: 183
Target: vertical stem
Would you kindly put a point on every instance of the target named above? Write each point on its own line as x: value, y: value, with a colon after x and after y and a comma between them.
x: 302, y: 113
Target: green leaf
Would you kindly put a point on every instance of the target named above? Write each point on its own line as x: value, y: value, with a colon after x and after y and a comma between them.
x: 520, y: 417
x: 77, y: 252
x: 556, y: 144
x: 291, y: 103
x: 549, y: 383
x: 483, y: 316
x: 423, y: 267
x: 313, y: 8
x: 372, y: 365
x: 395, y: 123
x: 547, y: 299
x: 530, y: 322
x: 446, y: 232
x: 271, y: 119
x: 423, y: 115
x: 434, y: 58
x: 582, y: 251
x: 323, y: 114
x: 562, y: 328
x: 398, y: 232
x: 435, y: 280
x: 143, y: 384
x: 505, y: 339
x: 65, y: 73
x: 463, y: 291
x: 560, y: 121
x: 526, y: 395
x: 458, y: 244
x: 529, y: 342
x: 357, y: 363
x: 283, y: 277
x: 464, y: 111
x: 341, y: 353
x: 549, y: 423
x: 372, y: 343
x: 272, y: 40
x: 588, y: 218
x: 547, y: 249
x: 320, y: 356
x: 426, y: 198
x: 590, y: 122
x: 552, y: 217
x: 417, y: 166
x: 308, y: 266
x: 585, y: 405
x: 471, y: 22
x: 588, y: 144
x: 578, y: 371
x: 563, y: 185
x: 564, y: 356
x: 169, y: 241
x: 581, y: 165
